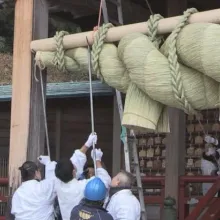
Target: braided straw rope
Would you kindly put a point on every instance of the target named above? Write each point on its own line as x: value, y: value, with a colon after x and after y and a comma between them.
x: 97, y: 48
x: 153, y: 28
x: 177, y: 84
x: 59, y: 60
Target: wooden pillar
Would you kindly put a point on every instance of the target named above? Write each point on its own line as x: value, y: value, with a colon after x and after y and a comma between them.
x: 36, y: 141
x: 175, y: 152
x: 21, y: 84
x: 22, y: 88
x: 175, y: 148
x: 116, y: 157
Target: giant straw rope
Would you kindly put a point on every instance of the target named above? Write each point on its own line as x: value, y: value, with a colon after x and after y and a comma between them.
x: 183, y: 73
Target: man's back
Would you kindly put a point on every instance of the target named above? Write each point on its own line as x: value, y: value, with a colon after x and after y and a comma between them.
x: 69, y: 195
x: 124, y: 205
x: 89, y: 212
x: 33, y: 200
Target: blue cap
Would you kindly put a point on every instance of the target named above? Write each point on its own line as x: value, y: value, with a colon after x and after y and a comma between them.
x: 95, y: 190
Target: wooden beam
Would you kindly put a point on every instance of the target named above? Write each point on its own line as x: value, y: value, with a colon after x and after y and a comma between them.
x: 65, y: 90
x: 116, y: 157
x: 175, y: 147
x: 36, y: 141
x: 165, y: 26
x: 21, y: 82
x: 58, y: 132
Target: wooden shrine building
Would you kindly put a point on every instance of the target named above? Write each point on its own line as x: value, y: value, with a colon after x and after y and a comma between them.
x: 22, y: 131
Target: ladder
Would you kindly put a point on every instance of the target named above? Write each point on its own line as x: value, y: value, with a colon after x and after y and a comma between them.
x: 106, y: 18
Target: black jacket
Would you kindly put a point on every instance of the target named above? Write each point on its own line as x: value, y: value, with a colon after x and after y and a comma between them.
x: 89, y: 212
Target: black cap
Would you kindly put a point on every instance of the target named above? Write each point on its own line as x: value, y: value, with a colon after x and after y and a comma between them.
x: 29, y: 166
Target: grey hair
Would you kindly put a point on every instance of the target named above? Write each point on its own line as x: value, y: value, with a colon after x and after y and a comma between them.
x: 126, y: 179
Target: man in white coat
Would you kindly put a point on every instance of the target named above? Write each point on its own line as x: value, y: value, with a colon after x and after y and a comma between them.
x: 70, y: 190
x: 122, y: 204
x: 34, y: 199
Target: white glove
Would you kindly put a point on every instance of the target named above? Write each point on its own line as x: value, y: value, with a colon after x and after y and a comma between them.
x: 211, y: 140
x: 98, y: 154
x: 44, y: 159
x: 218, y: 173
x: 92, y: 139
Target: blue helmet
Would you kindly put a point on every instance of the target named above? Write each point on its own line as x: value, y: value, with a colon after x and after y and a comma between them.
x: 95, y: 190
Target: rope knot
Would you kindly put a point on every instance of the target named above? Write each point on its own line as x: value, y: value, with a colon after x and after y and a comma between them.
x: 153, y: 28
x: 98, y: 43
x: 59, y: 58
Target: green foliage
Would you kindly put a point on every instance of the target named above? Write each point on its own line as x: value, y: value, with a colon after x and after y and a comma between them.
x: 6, y: 25
x: 56, y: 23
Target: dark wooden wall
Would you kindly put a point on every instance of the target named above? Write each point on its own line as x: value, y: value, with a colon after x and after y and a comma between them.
x: 69, y: 125
x: 5, y: 108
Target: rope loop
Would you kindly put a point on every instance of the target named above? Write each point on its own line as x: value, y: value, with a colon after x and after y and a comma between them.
x: 153, y: 28
x: 59, y: 58
x: 177, y: 84
x: 98, y: 43
x: 40, y: 65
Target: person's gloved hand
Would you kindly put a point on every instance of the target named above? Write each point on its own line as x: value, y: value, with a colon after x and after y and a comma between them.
x: 98, y: 154
x: 92, y: 139
x: 210, y: 140
x: 44, y: 159
x: 218, y: 173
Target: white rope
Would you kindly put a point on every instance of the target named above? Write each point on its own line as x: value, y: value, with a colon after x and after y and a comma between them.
x: 91, y: 103
x: 43, y: 105
x: 45, y: 114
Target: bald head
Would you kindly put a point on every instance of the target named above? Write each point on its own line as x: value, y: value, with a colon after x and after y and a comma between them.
x: 123, y: 179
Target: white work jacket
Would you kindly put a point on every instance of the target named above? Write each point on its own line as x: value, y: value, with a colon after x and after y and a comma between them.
x: 124, y: 205
x: 207, y: 168
x: 34, y: 200
x: 70, y: 194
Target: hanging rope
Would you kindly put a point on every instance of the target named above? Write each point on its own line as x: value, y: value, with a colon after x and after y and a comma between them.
x: 149, y: 7
x: 39, y: 65
x: 90, y: 84
x: 91, y: 104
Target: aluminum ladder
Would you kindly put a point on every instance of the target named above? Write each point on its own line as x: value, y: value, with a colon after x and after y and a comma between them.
x: 134, y: 151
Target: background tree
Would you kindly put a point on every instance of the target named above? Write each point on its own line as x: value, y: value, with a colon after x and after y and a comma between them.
x: 58, y: 21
